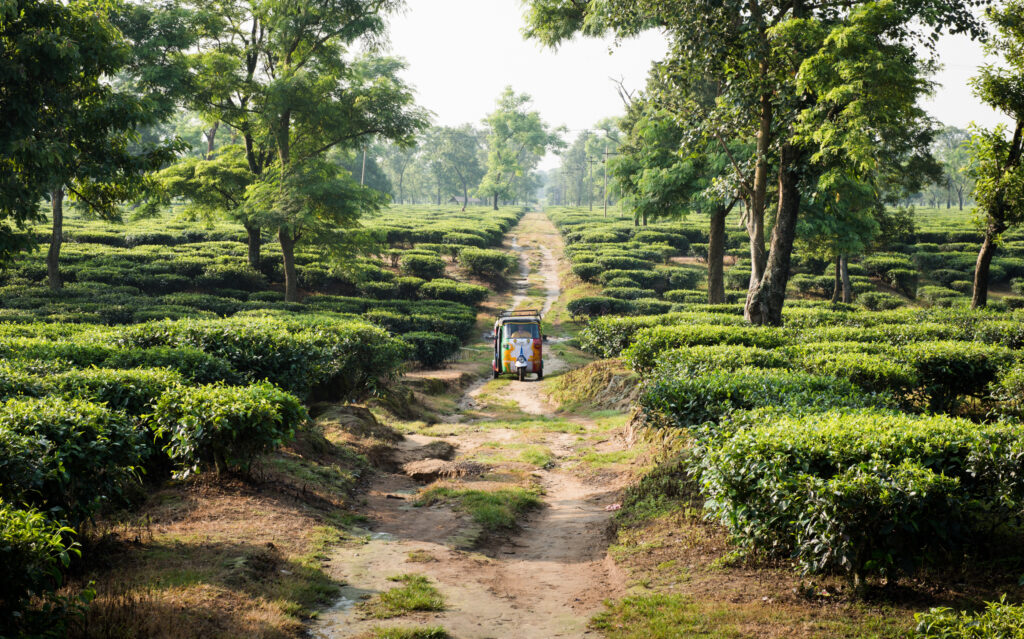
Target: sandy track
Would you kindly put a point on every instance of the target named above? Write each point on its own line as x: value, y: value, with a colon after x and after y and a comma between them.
x: 545, y: 581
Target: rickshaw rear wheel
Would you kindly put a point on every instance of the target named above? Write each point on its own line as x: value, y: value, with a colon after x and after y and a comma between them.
x: 540, y: 373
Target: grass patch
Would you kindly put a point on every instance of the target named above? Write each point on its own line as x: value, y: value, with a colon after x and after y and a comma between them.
x: 492, y: 509
x: 429, y: 632
x: 533, y: 454
x: 420, y: 557
x: 416, y: 595
x: 536, y: 424
x: 658, y: 616
x: 611, y: 458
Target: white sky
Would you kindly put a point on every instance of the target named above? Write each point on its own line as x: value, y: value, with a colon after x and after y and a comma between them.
x: 462, y: 53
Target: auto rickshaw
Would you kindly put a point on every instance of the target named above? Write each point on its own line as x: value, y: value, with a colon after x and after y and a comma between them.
x: 518, y: 344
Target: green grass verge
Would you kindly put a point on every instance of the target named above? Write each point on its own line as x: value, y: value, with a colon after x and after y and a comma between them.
x: 492, y: 509
x: 416, y: 595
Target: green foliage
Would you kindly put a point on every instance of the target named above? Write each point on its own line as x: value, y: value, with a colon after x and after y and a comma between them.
x: 34, y: 550
x: 452, y: 291
x: 432, y: 349
x: 422, y: 266
x: 651, y: 342
x: 948, y: 371
x: 66, y: 456
x: 487, y: 263
x: 999, y: 619
x: 598, y: 306
x: 687, y: 399
x: 225, y: 427
x: 821, y: 474
x: 345, y: 358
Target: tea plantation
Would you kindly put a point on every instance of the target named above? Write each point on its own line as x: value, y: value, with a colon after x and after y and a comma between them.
x: 877, y: 445
x: 167, y: 352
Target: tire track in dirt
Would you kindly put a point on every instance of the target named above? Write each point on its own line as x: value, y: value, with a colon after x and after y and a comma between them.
x: 545, y: 581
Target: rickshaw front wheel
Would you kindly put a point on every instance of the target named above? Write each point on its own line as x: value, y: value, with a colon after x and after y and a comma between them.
x: 522, y: 373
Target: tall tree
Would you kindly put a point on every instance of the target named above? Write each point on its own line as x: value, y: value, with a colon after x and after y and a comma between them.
x: 457, y: 151
x: 996, y: 155
x: 951, y: 149
x: 285, y: 75
x: 396, y: 160
x: 68, y: 128
x: 517, y: 139
x: 753, y: 52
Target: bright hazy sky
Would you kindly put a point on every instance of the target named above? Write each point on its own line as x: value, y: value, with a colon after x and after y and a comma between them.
x: 462, y: 53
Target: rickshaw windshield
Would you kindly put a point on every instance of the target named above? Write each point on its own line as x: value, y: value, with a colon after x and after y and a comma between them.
x: 521, y: 331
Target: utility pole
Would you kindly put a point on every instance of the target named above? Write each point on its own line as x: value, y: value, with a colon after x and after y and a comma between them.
x: 590, y: 181
x: 606, y: 154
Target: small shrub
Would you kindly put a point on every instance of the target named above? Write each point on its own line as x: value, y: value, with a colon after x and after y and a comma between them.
x: 452, y: 291
x: 33, y: 551
x: 225, y: 427
x: 947, y: 371
x: 487, y: 263
x: 651, y: 342
x: 999, y: 620
x: 875, y: 301
x: 598, y: 306
x: 66, y: 456
x: 686, y: 400
x: 422, y: 266
x: 432, y: 349
x: 242, y: 277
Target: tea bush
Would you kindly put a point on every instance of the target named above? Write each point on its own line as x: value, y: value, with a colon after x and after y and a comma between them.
x: 651, y: 342
x: 298, y: 356
x: 948, y: 371
x: 432, y: 349
x: 452, y: 291
x: 225, y: 427
x: 693, y: 399
x: 802, y: 483
x: 998, y: 620
x: 598, y: 306
x: 69, y: 457
x: 422, y: 266
x: 34, y: 551
x: 487, y: 263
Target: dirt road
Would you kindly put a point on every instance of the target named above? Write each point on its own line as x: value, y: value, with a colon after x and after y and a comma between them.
x: 545, y: 579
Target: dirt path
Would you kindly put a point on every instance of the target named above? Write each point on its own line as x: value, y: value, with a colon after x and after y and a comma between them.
x: 545, y: 580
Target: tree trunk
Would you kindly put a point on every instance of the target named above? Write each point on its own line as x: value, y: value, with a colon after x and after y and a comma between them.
x: 979, y: 299
x: 837, y: 287
x: 960, y: 197
x: 758, y: 199
x: 996, y: 223
x: 764, y: 306
x: 291, y: 280
x: 758, y: 254
x: 465, y: 197
x: 847, y: 286
x: 211, y: 139
x: 495, y: 201
x: 716, y: 256
x: 56, y: 239
x: 255, y: 245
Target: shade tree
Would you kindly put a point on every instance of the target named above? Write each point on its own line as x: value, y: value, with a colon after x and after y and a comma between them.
x: 517, y: 139
x: 997, y: 154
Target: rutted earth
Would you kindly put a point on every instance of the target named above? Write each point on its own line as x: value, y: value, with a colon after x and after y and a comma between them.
x: 545, y: 580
